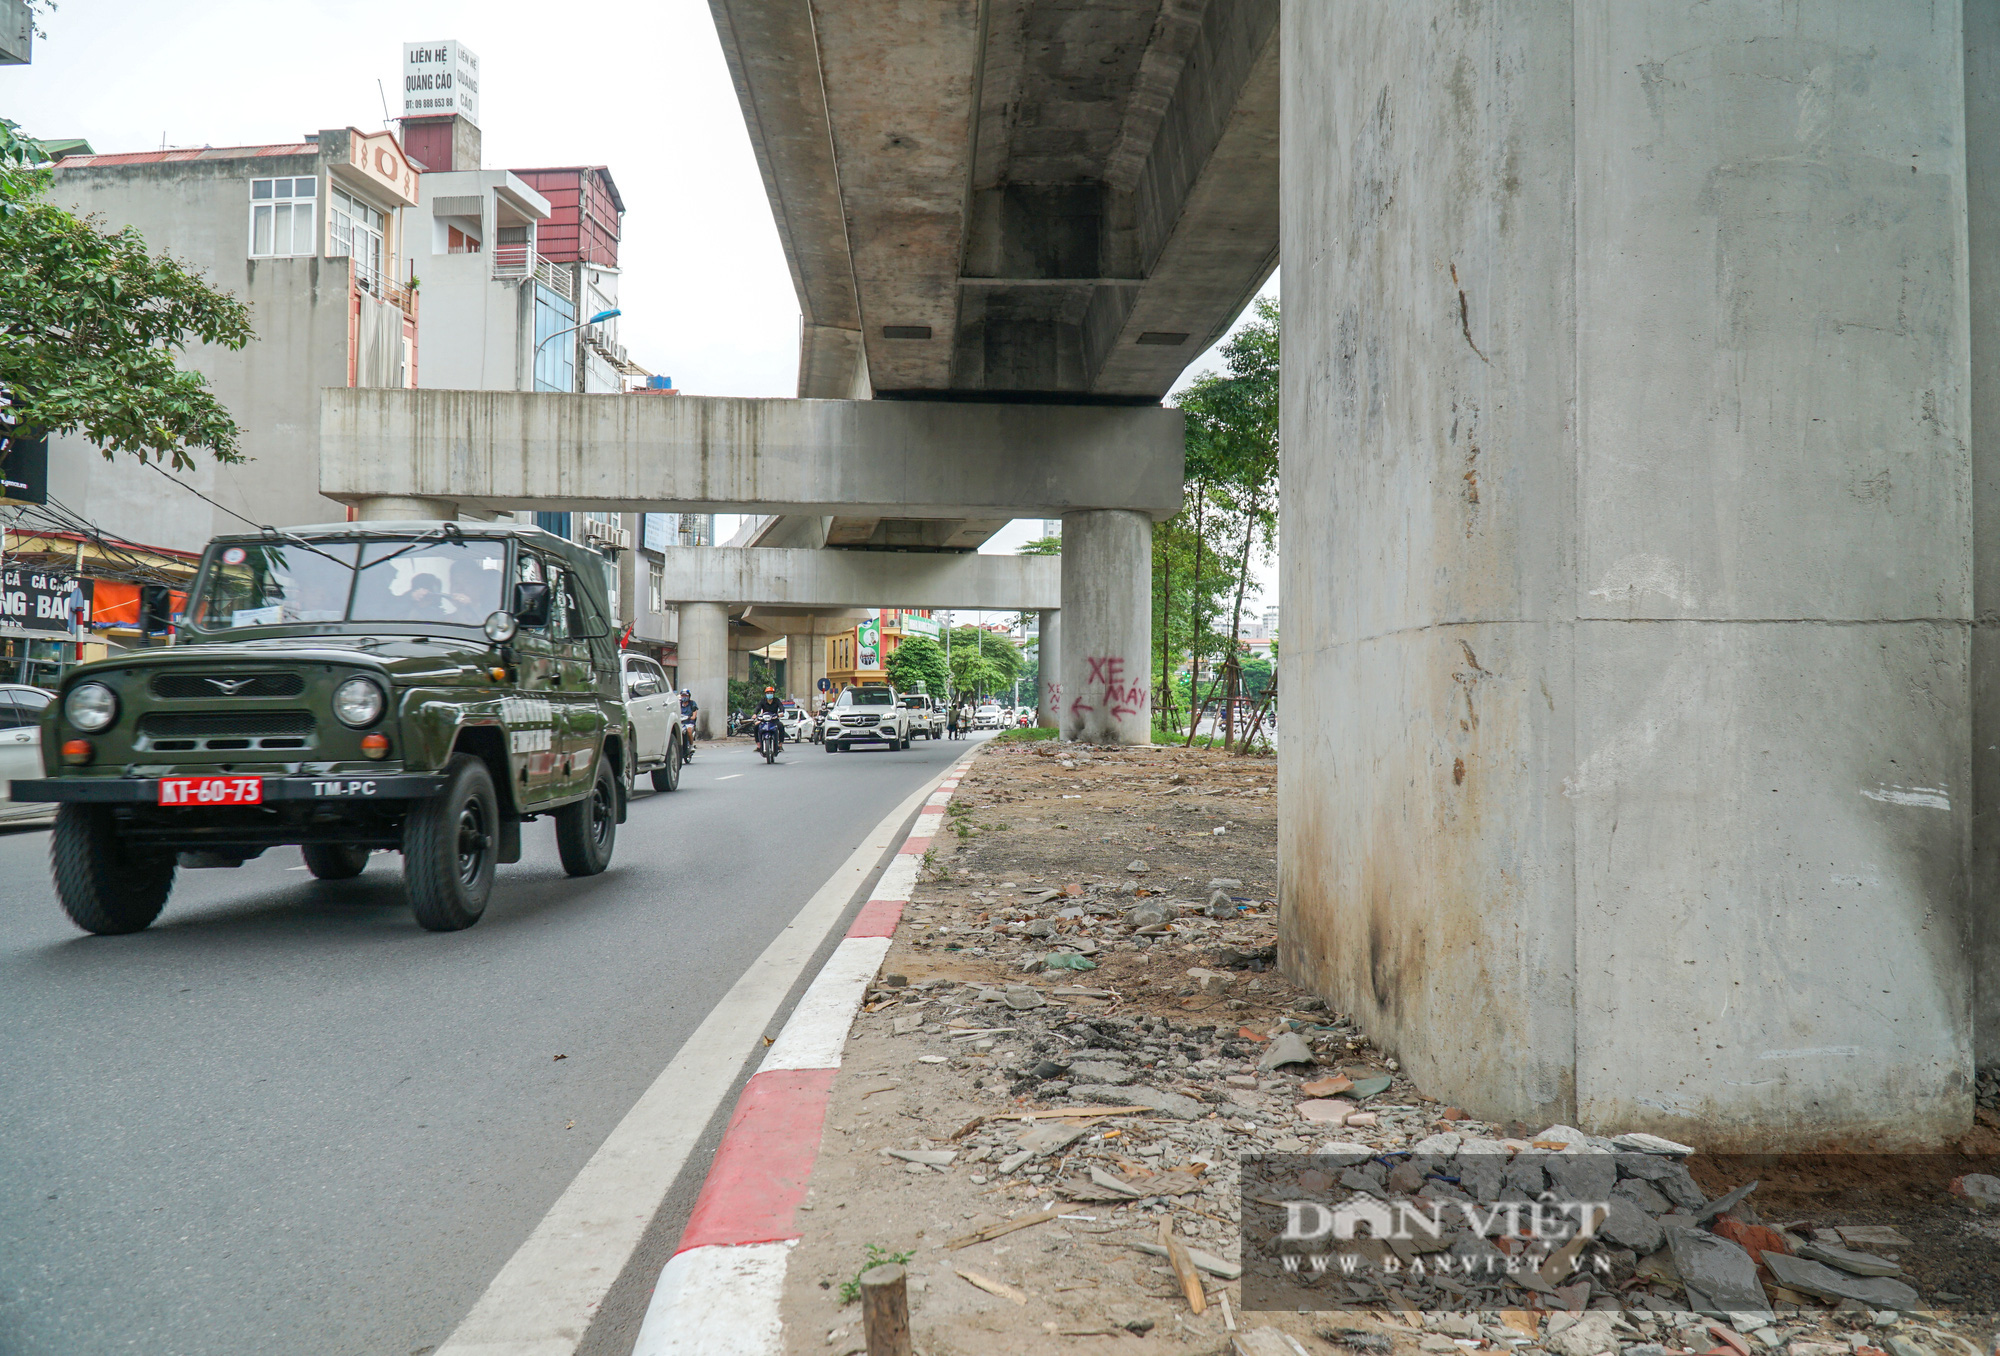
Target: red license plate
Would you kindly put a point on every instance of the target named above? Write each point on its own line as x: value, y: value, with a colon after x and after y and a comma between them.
x: 211, y: 790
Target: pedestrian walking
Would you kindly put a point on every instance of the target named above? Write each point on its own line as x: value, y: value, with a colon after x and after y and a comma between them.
x: 951, y: 722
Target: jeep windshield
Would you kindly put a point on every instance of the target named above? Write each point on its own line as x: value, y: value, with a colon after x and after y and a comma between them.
x: 454, y: 582
x: 867, y: 696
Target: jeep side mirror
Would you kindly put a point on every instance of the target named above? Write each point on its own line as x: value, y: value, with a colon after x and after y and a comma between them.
x: 531, y: 604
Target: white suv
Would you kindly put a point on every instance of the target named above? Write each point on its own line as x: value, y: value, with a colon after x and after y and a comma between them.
x: 868, y: 715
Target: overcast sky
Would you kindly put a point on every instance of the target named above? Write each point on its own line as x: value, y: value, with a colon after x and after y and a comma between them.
x: 640, y: 87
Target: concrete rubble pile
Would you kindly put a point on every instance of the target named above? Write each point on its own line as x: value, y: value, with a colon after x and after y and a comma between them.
x: 1092, y: 1044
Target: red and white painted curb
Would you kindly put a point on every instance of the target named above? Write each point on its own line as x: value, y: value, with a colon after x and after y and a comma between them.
x: 720, y: 1294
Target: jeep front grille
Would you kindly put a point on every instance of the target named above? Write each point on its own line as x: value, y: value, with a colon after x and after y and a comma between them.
x: 209, y: 686
x: 187, y: 731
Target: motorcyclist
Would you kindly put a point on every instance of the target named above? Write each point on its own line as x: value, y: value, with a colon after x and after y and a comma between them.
x: 688, y: 707
x: 769, y: 709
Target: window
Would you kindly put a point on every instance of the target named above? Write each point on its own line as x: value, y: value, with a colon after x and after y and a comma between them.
x: 357, y: 234
x: 657, y: 579
x: 555, y: 357
x: 281, y: 217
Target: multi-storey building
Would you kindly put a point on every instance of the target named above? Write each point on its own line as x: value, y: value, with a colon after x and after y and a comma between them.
x: 310, y: 235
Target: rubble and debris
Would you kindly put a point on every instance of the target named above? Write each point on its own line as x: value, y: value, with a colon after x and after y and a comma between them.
x: 1131, y: 1098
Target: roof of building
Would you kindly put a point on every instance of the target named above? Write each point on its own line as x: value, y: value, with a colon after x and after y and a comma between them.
x: 617, y: 200
x: 189, y: 153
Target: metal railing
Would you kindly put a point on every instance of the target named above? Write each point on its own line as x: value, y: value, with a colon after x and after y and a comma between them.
x: 519, y: 263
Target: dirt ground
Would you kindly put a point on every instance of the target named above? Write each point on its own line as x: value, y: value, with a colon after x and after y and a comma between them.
x: 1043, y: 1048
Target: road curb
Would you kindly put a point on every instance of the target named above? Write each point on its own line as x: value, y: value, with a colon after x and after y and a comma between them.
x: 720, y: 1293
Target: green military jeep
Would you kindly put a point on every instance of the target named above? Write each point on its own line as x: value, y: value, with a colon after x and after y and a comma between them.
x: 423, y: 687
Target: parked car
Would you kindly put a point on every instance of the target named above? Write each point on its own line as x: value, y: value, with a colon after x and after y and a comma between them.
x: 869, y: 714
x: 797, y: 722
x: 926, y: 716
x: 989, y: 716
x: 21, y: 709
x: 653, y: 722
x: 426, y: 688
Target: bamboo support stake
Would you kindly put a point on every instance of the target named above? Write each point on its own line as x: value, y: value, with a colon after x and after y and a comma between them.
x: 885, y: 1310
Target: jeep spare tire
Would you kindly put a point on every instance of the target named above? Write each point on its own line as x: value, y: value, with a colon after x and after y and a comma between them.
x: 448, y: 848
x: 334, y: 861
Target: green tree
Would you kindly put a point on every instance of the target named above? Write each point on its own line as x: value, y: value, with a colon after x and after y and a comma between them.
x: 1232, y: 471
x: 92, y: 326
x: 919, y: 660
x: 982, y: 663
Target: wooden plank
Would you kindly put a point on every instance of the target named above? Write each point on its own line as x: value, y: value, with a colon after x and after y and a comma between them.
x: 1005, y: 1226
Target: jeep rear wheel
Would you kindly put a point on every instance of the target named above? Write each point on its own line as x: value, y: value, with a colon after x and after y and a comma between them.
x: 106, y: 886
x: 448, y: 848
x: 334, y: 861
x: 587, y: 830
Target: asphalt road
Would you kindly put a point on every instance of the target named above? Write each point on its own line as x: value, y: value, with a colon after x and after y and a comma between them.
x: 285, y: 1119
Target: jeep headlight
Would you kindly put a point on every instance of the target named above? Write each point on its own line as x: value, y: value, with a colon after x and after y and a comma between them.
x: 91, y: 706
x: 358, y: 702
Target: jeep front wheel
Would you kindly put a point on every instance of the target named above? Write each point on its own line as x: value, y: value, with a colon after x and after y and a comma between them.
x: 106, y: 886
x: 334, y: 861
x: 587, y: 829
x: 448, y: 848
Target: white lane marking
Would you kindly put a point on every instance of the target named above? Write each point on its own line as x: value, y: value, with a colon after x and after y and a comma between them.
x: 752, y: 1276
x: 542, y: 1301
x: 731, y: 777
x: 816, y: 1032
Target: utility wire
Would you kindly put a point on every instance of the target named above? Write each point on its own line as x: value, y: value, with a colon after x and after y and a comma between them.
x: 199, y: 495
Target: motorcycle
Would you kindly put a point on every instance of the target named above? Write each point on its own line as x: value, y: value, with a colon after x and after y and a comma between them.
x: 687, y: 740
x: 770, y: 737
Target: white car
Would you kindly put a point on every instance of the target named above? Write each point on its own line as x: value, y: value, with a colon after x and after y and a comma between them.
x: 926, y: 716
x: 867, y: 715
x: 653, y: 709
x: 21, y: 710
x: 989, y: 716
x: 797, y: 723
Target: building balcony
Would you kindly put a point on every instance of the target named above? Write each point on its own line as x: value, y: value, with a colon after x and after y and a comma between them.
x: 520, y: 263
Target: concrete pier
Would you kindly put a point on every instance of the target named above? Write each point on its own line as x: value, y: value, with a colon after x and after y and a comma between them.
x: 1107, y: 623
x: 1628, y: 559
x: 704, y: 664
x: 1048, y: 650
x: 394, y: 509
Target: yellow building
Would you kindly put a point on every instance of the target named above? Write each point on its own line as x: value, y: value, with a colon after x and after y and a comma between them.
x: 861, y: 655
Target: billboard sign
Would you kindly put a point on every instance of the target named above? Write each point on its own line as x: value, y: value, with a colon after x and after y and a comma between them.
x: 439, y: 79
x: 658, y: 531
x: 41, y: 600
x: 913, y: 625
x: 24, y: 457
x: 868, y: 645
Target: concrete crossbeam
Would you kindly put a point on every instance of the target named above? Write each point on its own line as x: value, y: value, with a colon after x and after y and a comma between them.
x: 906, y: 459
x: 784, y: 577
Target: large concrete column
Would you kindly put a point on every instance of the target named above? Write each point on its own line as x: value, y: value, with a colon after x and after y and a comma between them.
x: 798, y: 666
x: 1627, y: 558
x: 1048, y: 655
x: 1982, y: 163
x: 704, y: 663
x: 1107, y: 620
x: 389, y: 508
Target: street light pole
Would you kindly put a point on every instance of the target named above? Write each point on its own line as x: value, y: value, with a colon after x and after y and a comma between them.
x: 597, y: 319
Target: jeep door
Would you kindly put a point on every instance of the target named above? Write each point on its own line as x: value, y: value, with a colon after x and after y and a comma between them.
x: 532, y: 716
x: 579, y: 723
